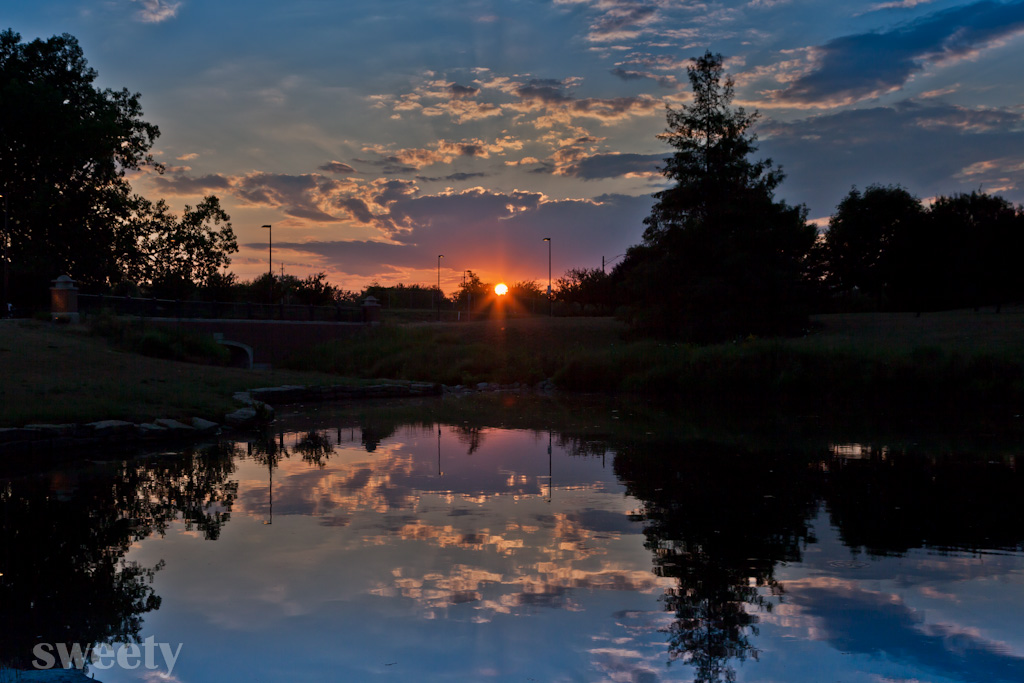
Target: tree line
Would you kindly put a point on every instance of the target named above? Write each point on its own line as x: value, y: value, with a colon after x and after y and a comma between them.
x: 721, y: 257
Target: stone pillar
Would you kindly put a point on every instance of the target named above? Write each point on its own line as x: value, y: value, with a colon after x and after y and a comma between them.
x: 64, y: 300
x: 371, y: 310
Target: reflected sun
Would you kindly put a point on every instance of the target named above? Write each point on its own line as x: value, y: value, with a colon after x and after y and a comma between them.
x: 501, y: 289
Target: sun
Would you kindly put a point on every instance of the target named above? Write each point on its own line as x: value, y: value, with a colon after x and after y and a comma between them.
x: 501, y: 289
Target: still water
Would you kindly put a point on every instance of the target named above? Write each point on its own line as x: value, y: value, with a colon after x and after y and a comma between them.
x: 510, y: 539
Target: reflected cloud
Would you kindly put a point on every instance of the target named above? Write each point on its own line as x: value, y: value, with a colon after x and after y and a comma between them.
x: 853, y: 619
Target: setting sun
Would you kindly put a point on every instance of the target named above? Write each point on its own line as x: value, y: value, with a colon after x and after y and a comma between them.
x: 501, y: 289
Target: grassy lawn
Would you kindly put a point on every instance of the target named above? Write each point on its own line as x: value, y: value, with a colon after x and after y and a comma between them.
x: 63, y: 374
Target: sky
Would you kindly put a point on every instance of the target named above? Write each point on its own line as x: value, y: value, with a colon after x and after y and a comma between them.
x: 375, y: 136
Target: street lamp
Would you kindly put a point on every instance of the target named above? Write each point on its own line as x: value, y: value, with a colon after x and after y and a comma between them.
x: 7, y: 283
x: 270, y: 261
x: 610, y: 261
x: 439, y: 257
x: 551, y: 304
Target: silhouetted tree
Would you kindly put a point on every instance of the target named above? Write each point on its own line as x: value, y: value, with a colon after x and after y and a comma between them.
x: 181, y: 255
x: 720, y: 256
x: 976, y: 241
x: 314, y: 290
x: 588, y: 287
x: 873, y: 242
x: 65, y: 146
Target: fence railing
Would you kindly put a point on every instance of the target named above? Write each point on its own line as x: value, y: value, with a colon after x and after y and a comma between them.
x: 169, y: 308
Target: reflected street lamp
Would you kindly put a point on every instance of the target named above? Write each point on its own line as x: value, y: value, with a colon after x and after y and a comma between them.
x: 551, y: 303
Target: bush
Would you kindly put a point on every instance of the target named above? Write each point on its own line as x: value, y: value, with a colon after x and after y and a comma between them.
x: 169, y: 343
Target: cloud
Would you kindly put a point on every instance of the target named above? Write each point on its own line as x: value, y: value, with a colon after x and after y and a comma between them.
x: 178, y: 182
x: 615, y: 166
x: 441, y: 152
x: 156, y: 11
x: 543, y: 102
x: 898, y: 4
x: 336, y: 167
x: 665, y: 81
x: 867, y: 65
x: 454, y: 177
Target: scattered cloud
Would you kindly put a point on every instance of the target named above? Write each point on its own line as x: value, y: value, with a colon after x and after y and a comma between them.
x: 923, y: 144
x: 663, y: 80
x: 156, y: 11
x: 615, y: 165
x: 336, y: 167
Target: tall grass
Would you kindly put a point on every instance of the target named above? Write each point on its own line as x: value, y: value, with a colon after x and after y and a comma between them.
x: 429, y: 354
x: 812, y: 371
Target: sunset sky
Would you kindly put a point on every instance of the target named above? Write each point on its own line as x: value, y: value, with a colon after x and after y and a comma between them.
x: 376, y: 135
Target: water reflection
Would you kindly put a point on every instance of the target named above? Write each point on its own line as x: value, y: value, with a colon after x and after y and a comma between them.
x: 718, y: 523
x: 64, y: 537
x: 468, y: 547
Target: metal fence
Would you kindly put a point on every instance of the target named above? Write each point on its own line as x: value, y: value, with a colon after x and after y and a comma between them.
x: 89, y: 304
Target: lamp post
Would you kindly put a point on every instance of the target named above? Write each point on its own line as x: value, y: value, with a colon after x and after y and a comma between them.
x: 610, y: 261
x: 270, y: 262
x: 439, y: 257
x: 551, y: 304
x: 7, y: 283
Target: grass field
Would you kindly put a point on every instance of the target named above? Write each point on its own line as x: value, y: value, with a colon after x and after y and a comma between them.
x: 942, y: 361
x: 64, y: 374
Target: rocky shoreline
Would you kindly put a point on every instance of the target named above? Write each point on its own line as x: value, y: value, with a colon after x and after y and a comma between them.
x: 257, y: 408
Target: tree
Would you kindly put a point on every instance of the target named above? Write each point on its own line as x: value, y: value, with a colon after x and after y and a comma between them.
x: 315, y: 290
x: 872, y: 243
x: 720, y: 256
x: 588, y: 287
x: 472, y: 293
x: 65, y: 146
x: 976, y: 241
x: 181, y: 255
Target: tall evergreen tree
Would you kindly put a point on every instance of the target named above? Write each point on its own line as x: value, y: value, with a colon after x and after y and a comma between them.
x: 720, y: 256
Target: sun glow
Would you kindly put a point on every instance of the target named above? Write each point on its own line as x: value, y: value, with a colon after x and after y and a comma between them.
x: 501, y: 289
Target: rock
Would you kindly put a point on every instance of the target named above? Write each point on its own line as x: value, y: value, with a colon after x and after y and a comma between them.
x: 204, y: 426
x: 16, y: 434
x: 49, y: 430
x: 483, y: 386
x: 243, y: 397
x: 148, y: 430
x: 289, y: 393
x: 173, y: 425
x: 241, y: 417
x: 107, y: 428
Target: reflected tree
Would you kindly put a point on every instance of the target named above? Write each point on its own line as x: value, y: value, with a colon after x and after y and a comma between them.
x: 890, y: 502
x: 719, y: 522
x: 314, y: 447
x: 64, y: 536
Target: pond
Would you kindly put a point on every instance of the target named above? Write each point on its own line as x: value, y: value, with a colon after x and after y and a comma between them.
x: 524, y: 539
